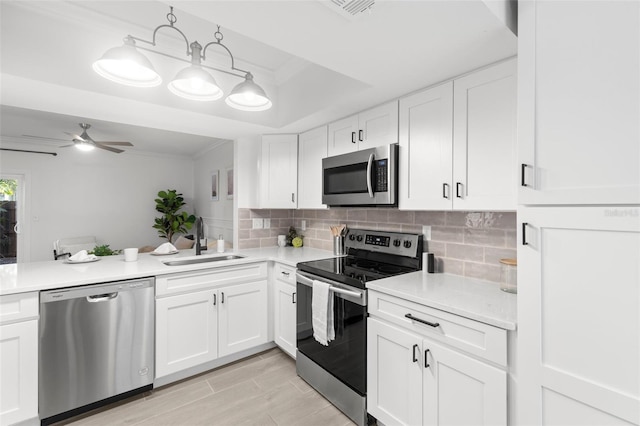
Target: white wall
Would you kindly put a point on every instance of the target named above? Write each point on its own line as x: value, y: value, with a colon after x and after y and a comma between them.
x: 110, y: 196
x: 216, y: 214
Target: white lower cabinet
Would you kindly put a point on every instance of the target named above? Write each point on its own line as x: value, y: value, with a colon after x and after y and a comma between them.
x: 19, y: 358
x: 285, y: 309
x: 224, y: 316
x: 415, y: 378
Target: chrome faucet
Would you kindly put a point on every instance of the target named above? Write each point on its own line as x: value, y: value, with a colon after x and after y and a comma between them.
x: 199, y: 235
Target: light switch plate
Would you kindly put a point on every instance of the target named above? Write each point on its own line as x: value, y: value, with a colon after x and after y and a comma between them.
x: 426, y: 232
x: 258, y: 223
x: 267, y: 223
x: 303, y: 225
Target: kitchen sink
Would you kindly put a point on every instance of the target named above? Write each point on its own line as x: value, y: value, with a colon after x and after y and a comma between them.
x: 193, y: 261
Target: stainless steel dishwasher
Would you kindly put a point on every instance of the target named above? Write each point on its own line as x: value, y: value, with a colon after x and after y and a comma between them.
x: 96, y: 345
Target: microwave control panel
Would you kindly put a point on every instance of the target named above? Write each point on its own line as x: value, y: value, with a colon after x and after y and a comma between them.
x: 381, y: 173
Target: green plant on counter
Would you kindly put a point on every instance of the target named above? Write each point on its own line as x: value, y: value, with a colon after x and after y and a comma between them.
x: 293, y: 238
x: 172, y: 221
x: 102, y: 250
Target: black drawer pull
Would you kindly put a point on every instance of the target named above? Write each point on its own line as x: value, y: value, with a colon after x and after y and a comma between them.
x: 524, y: 234
x: 215, y: 298
x: 426, y: 363
x: 523, y: 168
x: 293, y: 297
x: 432, y: 324
x: 360, y: 135
x: 353, y: 137
x: 458, y: 185
x: 415, y: 358
x: 445, y: 190
x: 222, y: 301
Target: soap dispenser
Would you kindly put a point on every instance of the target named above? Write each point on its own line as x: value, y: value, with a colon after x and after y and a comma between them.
x: 220, y: 244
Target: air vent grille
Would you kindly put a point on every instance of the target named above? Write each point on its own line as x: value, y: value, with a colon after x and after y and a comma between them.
x: 349, y: 8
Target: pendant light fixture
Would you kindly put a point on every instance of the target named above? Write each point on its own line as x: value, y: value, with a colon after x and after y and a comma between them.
x: 126, y: 65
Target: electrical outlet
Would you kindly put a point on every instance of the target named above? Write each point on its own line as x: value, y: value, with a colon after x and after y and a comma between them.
x: 303, y: 225
x: 266, y: 223
x: 426, y: 232
x: 258, y: 223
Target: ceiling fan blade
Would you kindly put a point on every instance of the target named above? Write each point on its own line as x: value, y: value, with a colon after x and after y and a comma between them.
x: 67, y: 146
x: 108, y: 148
x: 45, y: 138
x: 76, y: 137
x: 120, y: 143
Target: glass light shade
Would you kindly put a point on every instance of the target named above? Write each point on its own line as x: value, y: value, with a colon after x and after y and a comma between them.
x: 195, y: 84
x: 84, y: 146
x: 126, y: 65
x: 248, y: 96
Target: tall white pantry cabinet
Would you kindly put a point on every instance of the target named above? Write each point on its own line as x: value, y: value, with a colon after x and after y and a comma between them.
x: 579, y: 213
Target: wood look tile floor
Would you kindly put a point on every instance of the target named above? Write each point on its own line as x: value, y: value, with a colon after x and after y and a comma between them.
x: 261, y: 390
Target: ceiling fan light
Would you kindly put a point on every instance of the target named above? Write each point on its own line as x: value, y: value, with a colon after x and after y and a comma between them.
x: 126, y: 65
x: 195, y: 84
x: 84, y: 146
x: 248, y: 96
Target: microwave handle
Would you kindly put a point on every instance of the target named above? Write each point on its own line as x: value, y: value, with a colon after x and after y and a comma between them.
x: 369, y: 167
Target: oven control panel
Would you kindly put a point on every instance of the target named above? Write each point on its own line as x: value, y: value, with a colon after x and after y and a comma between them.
x: 396, y: 243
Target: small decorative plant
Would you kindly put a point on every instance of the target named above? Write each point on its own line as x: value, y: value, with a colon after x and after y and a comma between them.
x: 293, y: 238
x: 172, y: 221
x: 102, y: 250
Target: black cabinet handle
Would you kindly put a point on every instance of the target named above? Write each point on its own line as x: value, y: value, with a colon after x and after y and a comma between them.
x: 523, y: 168
x: 524, y: 234
x: 293, y: 297
x: 458, y: 185
x: 222, y: 301
x: 360, y: 135
x: 415, y: 358
x: 445, y: 190
x: 432, y: 324
x: 215, y: 298
x: 353, y: 137
x: 426, y: 363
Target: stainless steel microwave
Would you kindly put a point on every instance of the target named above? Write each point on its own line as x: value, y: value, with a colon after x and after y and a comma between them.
x: 362, y: 178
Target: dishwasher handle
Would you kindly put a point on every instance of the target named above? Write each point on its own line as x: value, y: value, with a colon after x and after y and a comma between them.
x: 102, y: 297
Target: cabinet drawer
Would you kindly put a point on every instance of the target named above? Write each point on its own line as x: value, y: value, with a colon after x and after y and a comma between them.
x: 474, y: 337
x: 190, y: 281
x: 18, y: 307
x: 286, y: 274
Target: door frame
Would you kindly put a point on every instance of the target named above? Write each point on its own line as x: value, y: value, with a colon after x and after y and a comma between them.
x: 22, y: 211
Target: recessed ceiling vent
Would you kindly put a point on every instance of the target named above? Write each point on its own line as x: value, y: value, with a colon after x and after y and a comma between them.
x: 350, y: 9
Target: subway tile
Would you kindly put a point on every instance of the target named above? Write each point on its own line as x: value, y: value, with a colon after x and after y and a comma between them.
x: 244, y: 234
x: 436, y: 247
x: 339, y: 214
x: 260, y: 233
x: 504, y: 220
x: 247, y: 244
x: 485, y: 237
x: 482, y: 271
x: 281, y: 213
x: 430, y: 218
x: 244, y: 214
x: 377, y: 215
x: 391, y: 227
x: 493, y: 255
x: 355, y: 215
x: 269, y: 242
x: 257, y: 214
x: 245, y: 224
x: 464, y: 252
x: 511, y: 238
x: 401, y: 217
x: 447, y: 234
x: 450, y: 266
x: 412, y: 229
x: 456, y: 218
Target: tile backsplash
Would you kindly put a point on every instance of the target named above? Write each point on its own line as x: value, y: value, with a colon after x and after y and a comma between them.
x: 464, y: 243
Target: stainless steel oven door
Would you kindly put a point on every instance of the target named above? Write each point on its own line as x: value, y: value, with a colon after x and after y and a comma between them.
x: 345, y: 357
x: 366, y: 177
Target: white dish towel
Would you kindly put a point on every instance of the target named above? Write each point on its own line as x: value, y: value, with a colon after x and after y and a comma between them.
x: 322, y: 313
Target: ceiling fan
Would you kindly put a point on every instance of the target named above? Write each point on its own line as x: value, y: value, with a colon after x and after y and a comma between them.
x: 86, y: 143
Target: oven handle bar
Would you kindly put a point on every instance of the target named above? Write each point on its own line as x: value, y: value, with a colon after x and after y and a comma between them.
x: 309, y: 282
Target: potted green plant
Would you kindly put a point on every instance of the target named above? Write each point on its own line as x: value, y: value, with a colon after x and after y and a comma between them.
x: 172, y: 221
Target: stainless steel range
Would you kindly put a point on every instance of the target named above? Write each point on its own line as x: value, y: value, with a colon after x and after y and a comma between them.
x: 339, y: 371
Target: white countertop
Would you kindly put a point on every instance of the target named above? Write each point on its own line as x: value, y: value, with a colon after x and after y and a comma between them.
x: 475, y: 299
x: 36, y: 276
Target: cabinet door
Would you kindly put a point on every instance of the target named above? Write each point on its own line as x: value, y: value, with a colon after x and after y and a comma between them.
x: 460, y: 390
x: 426, y: 121
x: 312, y: 148
x: 19, y: 372
x: 378, y: 126
x: 578, y: 315
x: 285, y: 317
x: 186, y: 331
x: 484, y: 139
x: 579, y: 102
x: 343, y: 136
x: 394, y: 374
x: 243, y: 317
x: 279, y: 171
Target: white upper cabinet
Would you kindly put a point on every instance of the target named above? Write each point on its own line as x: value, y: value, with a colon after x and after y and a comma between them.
x: 484, y: 139
x: 458, y: 143
x: 371, y: 128
x: 312, y: 148
x: 426, y: 136
x: 279, y: 172
x: 579, y: 102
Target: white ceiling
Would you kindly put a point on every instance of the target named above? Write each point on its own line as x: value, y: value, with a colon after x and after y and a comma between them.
x: 316, y: 65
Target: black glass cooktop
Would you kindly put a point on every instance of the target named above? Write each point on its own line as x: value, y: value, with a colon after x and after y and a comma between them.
x: 352, y: 270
